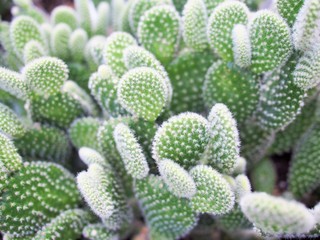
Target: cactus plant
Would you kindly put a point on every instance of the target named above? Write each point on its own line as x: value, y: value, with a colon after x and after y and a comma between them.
x: 167, y: 112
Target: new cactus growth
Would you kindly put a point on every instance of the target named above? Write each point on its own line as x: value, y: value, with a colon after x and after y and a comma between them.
x: 152, y: 119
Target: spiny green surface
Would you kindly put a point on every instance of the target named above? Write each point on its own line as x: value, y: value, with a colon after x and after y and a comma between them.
x: 182, y: 139
x: 59, y: 109
x: 275, y: 215
x: 159, y: 32
x: 285, y: 140
x: 195, y: 25
x: 270, y: 41
x: 22, y: 30
x: 10, y: 123
x: 241, y: 46
x: 220, y: 26
x: 304, y: 168
x: 130, y: 151
x: 83, y: 132
x: 113, y: 51
x: 67, y: 225
x: 280, y: 100
x: 32, y: 51
x: 138, y: 8
x: 289, y: 9
x: 77, y: 42
x: 214, y: 194
x: 104, y: 195
x: 45, y: 143
x: 64, y: 14
x: 46, y: 75
x: 223, y: 147
x: 60, y: 41
x: 187, y: 75
x: 13, y: 83
x: 305, y: 31
x: 10, y: 160
x: 238, y: 89
x: 165, y: 214
x: 143, y: 92
x: 178, y: 180
x: 45, y: 189
x: 103, y: 86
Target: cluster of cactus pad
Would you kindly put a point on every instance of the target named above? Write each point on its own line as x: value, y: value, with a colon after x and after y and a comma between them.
x: 162, y: 112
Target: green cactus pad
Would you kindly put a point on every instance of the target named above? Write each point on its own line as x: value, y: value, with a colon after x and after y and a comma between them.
x: 46, y: 190
x: 103, y: 86
x: 160, y: 39
x: 104, y: 195
x: 275, y: 215
x: 46, y: 75
x: 113, y: 51
x: 236, y: 88
x: 45, y: 143
x: 234, y: 220
x: 305, y: 31
x: 77, y: 42
x: 22, y: 30
x: 135, y: 56
x: 10, y: 124
x: 182, y: 139
x: 32, y: 51
x: 66, y: 15
x: 306, y: 73
x: 195, y: 25
x: 222, y: 151
x: 9, y: 157
x: 304, y: 170
x: 214, y: 194
x: 166, y: 215
x: 83, y: 132
x: 60, y: 41
x: 281, y: 100
x: 130, y: 151
x: 286, y: 139
x: 178, y: 180
x: 289, y: 9
x: 143, y: 92
x: 91, y: 156
x: 187, y: 75
x: 221, y: 24
x: 84, y: 17
x: 241, y: 46
x: 59, y: 109
x: 270, y: 41
x: 68, y: 224
x: 13, y: 83
x: 139, y: 7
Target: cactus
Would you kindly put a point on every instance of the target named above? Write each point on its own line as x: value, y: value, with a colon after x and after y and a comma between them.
x: 223, y: 147
x: 167, y: 112
x: 130, y: 151
x: 270, y: 52
x: 46, y: 75
x: 214, y: 194
x: 143, y: 92
x: 45, y: 143
x: 195, y: 21
x: 162, y: 40
x: 68, y: 224
x: 10, y: 124
x: 178, y: 180
x: 225, y: 80
x: 275, y: 215
x: 46, y: 188
x: 304, y: 179
x: 188, y: 128
x: 220, y: 27
x: 167, y: 216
